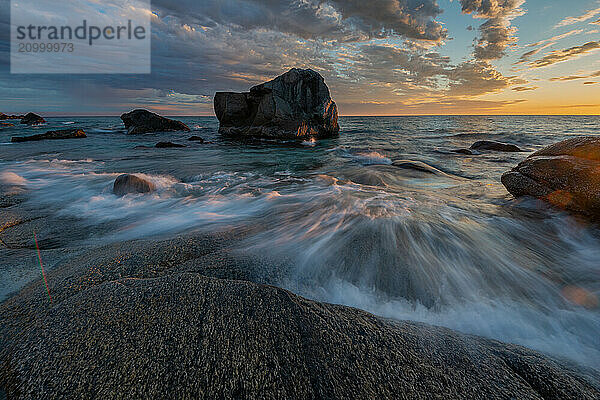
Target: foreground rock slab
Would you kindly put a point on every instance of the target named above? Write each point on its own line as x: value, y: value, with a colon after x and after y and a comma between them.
x: 143, y: 121
x: 294, y: 105
x: 566, y: 174
x: 52, y: 135
x: 132, y: 326
x: 126, y: 184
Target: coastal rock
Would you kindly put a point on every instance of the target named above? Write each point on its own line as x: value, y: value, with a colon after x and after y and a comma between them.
x: 566, y: 174
x: 147, y: 332
x: 143, y: 121
x: 196, y: 139
x: 51, y: 135
x: 6, y: 125
x: 168, y: 145
x: 495, y: 146
x: 127, y: 183
x: 32, y: 119
x: 294, y: 105
x: 464, y: 151
x: 5, y: 116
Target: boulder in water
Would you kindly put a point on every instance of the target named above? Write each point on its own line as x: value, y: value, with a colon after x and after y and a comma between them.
x: 32, y: 119
x: 196, y: 139
x: 52, y: 135
x: 168, y: 145
x: 495, y: 146
x: 143, y: 121
x: 294, y: 105
x: 566, y: 174
x: 127, y: 183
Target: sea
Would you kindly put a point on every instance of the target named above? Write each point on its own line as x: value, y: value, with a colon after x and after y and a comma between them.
x: 435, y: 238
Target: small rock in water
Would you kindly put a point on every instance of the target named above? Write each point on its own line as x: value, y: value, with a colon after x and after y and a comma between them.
x: 128, y: 183
x: 32, y: 119
x: 464, y: 151
x: 566, y: 174
x: 495, y: 146
x: 143, y: 121
x: 417, y: 166
x: 52, y: 135
x: 168, y: 145
x: 196, y: 139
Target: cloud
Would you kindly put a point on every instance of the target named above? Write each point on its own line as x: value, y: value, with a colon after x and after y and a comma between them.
x: 344, y: 20
x: 582, y: 18
x: 558, y: 56
x: 575, y: 77
x: 497, y: 33
x: 524, y: 88
x: 525, y: 57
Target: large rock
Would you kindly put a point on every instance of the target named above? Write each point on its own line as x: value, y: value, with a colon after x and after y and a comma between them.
x: 169, y: 145
x: 143, y: 121
x: 126, y: 183
x: 32, y: 119
x: 566, y: 174
x: 296, y: 104
x: 51, y: 135
x: 139, y: 320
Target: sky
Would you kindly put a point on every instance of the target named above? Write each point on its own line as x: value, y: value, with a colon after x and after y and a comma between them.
x: 378, y: 57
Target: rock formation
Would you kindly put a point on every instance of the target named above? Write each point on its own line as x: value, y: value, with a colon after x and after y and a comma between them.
x: 32, y: 119
x: 51, y: 135
x: 126, y: 183
x: 294, y: 105
x: 168, y: 145
x: 566, y: 174
x: 143, y: 121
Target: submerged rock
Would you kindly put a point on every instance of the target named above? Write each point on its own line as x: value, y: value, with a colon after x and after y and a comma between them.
x: 127, y: 183
x: 566, y: 174
x: 51, y: 135
x: 464, y: 151
x: 495, y: 146
x: 196, y: 139
x: 32, y: 119
x: 168, y: 145
x: 143, y: 121
x: 296, y: 104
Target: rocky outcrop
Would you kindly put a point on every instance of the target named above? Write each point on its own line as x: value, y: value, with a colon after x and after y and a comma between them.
x: 6, y: 125
x: 566, y: 174
x: 168, y: 145
x: 5, y: 116
x: 141, y: 321
x: 143, y: 121
x: 52, y: 135
x: 495, y: 146
x: 126, y: 184
x: 32, y: 119
x: 294, y: 105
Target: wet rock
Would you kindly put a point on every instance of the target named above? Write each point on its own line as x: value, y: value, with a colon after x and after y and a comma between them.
x: 5, y: 125
x: 127, y: 183
x: 143, y: 121
x: 294, y: 105
x: 464, y: 151
x: 32, y: 119
x: 494, y: 146
x: 143, y: 336
x: 196, y: 139
x: 417, y: 166
x: 566, y: 174
x: 52, y: 135
x: 168, y: 145
x: 5, y: 117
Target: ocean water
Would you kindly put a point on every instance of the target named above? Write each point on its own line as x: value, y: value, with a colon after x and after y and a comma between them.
x: 448, y: 247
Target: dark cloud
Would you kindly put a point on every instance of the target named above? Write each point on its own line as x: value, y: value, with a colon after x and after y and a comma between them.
x: 565, y: 54
x: 345, y: 20
x: 496, y: 34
